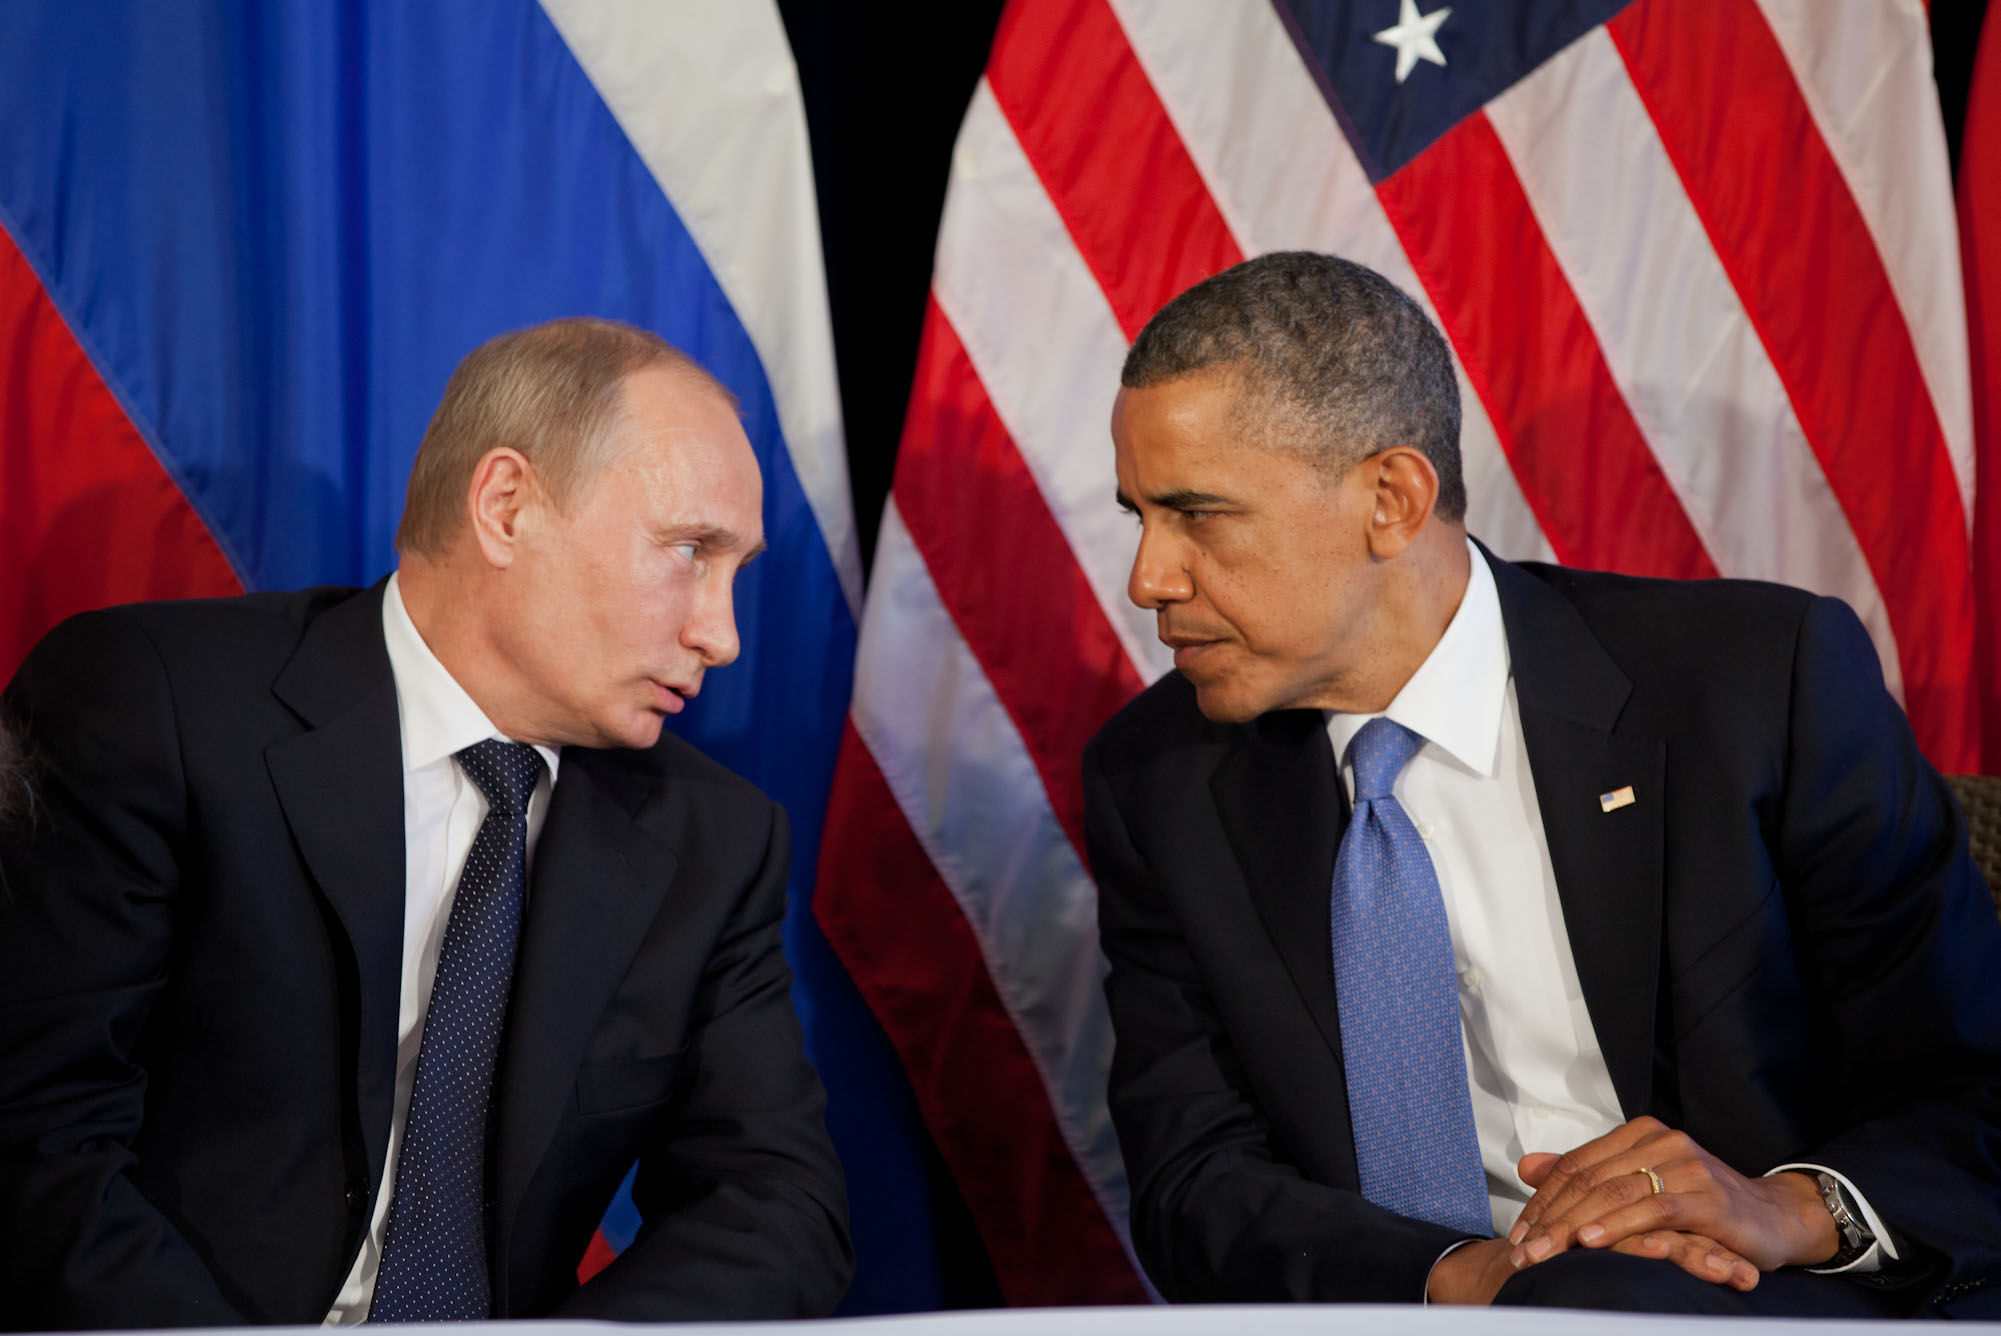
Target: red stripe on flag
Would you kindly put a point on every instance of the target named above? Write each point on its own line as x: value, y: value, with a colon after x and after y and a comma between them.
x: 88, y: 517
x: 1584, y: 467
x: 1799, y: 253
x: 1114, y: 166
x: 597, y: 1257
x: 1980, y: 261
x: 1004, y: 570
x: 903, y: 940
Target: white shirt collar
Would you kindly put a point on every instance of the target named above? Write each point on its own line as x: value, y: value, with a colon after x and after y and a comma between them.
x: 438, y: 719
x: 1455, y: 699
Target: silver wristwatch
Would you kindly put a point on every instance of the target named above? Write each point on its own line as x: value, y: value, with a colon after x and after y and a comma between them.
x: 1856, y: 1237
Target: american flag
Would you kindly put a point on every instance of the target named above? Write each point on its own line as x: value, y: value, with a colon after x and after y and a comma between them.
x: 1699, y: 268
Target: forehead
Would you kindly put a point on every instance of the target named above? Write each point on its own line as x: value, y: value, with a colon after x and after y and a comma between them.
x: 679, y: 440
x: 1193, y: 421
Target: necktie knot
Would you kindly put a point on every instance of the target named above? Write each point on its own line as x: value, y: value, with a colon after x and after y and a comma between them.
x: 1378, y: 753
x: 505, y: 772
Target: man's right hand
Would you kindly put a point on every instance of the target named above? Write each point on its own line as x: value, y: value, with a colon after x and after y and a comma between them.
x: 1475, y: 1273
x: 1472, y: 1274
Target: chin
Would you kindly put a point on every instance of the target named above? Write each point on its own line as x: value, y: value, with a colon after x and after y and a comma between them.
x: 1220, y: 705
x: 635, y: 734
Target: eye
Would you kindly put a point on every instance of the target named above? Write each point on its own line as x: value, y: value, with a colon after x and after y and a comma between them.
x: 686, y: 551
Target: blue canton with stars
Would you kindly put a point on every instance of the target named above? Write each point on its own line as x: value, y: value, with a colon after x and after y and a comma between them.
x: 434, y: 1262
x: 1488, y: 47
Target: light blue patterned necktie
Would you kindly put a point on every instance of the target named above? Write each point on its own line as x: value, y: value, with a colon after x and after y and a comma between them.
x: 1408, y: 1099
x: 434, y: 1262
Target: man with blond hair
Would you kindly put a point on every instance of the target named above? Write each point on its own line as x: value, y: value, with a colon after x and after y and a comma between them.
x: 364, y: 939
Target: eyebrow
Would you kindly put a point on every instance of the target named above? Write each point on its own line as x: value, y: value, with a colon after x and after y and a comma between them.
x: 1184, y: 499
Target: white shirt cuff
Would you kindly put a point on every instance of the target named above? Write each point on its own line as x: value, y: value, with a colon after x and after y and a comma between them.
x: 1884, y: 1249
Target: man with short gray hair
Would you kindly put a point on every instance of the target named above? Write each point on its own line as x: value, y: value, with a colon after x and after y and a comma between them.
x: 364, y: 939
x: 1484, y: 932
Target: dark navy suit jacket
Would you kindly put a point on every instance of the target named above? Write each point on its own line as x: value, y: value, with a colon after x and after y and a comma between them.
x: 200, y: 967
x: 1783, y: 944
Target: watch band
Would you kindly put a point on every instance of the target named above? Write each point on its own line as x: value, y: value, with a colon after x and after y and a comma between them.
x: 1856, y: 1237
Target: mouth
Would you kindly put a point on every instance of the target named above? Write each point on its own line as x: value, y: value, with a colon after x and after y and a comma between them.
x: 671, y: 698
x: 1188, y: 649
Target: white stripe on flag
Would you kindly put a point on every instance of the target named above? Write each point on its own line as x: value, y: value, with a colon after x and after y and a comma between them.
x: 1674, y: 333
x: 1048, y: 351
x: 1865, y: 71
x: 958, y: 768
x: 1285, y: 178
x: 720, y: 125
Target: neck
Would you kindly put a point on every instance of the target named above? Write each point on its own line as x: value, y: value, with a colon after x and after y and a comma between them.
x: 1421, y: 594
x: 452, y: 614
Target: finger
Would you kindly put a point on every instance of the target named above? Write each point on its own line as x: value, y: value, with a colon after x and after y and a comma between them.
x: 1557, y: 1199
x: 1626, y: 1198
x: 1697, y: 1254
x: 1535, y: 1167
x: 1557, y: 1177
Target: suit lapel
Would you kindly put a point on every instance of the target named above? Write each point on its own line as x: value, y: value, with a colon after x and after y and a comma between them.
x: 340, y: 785
x: 1609, y: 865
x: 598, y: 880
x: 1284, y: 812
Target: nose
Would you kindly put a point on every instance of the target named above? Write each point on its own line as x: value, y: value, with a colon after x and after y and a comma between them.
x: 1159, y: 576
x: 711, y: 628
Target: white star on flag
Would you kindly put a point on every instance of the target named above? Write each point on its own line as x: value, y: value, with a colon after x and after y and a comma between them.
x: 1414, y: 38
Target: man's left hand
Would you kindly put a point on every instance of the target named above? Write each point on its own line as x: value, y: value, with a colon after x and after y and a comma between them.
x: 1600, y: 1194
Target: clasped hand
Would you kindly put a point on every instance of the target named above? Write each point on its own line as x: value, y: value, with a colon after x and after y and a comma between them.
x: 1707, y: 1218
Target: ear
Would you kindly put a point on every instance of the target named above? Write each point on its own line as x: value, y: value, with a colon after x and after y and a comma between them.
x: 1406, y: 490
x: 502, y: 493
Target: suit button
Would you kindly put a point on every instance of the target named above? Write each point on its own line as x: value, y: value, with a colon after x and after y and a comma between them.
x: 357, y: 1196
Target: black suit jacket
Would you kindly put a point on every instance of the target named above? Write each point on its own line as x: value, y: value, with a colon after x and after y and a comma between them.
x: 200, y: 965
x: 1783, y: 945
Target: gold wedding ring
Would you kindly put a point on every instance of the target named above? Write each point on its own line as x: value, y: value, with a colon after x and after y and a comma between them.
x: 1653, y: 1178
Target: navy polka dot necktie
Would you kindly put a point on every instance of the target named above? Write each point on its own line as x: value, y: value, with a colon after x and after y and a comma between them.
x: 434, y: 1261
x: 1412, y: 1111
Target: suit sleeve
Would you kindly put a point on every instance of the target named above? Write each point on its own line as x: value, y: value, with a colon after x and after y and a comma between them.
x: 744, y: 1207
x: 1900, y: 937
x: 86, y: 943
x: 1217, y: 1213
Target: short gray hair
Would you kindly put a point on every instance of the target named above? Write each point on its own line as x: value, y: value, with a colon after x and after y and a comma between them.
x: 1336, y: 362
x: 551, y: 391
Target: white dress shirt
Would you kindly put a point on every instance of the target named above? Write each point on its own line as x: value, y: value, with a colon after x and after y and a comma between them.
x: 1538, y: 1077
x: 442, y: 811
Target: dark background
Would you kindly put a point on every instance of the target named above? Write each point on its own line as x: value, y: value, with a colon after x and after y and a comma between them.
x: 885, y: 87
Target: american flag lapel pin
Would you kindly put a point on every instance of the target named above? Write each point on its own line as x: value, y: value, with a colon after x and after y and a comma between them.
x: 1617, y: 798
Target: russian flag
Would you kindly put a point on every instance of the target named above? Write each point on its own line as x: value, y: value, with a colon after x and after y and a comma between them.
x: 242, y: 247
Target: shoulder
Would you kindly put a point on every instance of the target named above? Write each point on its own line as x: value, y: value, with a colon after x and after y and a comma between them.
x: 681, y: 762
x: 1161, y: 725
x: 1721, y: 666
x: 204, y: 640
x: 698, y: 785
x: 214, y: 626
x: 1683, y: 631
x: 1642, y: 608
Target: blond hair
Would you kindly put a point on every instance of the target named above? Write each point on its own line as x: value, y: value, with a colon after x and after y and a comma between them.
x: 550, y: 391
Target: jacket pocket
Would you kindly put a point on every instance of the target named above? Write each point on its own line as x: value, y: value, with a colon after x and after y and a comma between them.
x: 636, y: 1083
